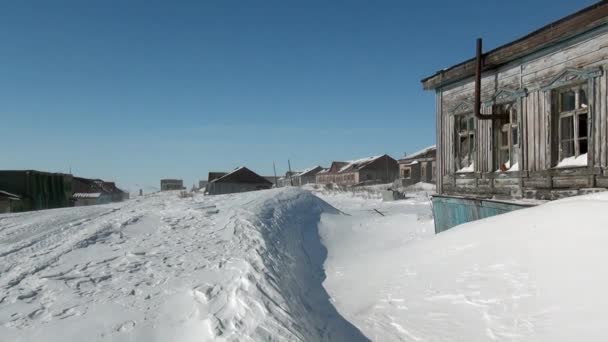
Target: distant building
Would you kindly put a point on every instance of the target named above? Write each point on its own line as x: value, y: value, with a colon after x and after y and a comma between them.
x: 307, y: 176
x: 171, y: 184
x: 287, y: 180
x: 240, y: 180
x: 9, y: 202
x: 371, y: 170
x: 36, y: 189
x: 202, y: 184
x: 95, y: 191
x: 417, y: 167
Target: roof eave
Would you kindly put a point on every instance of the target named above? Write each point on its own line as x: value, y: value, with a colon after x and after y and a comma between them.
x: 584, y: 20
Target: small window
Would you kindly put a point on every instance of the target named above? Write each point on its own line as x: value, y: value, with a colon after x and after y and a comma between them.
x: 573, y: 122
x: 506, y: 138
x: 465, y: 143
x: 406, y: 173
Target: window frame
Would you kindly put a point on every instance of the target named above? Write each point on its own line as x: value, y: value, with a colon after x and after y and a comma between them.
x: 578, y: 110
x: 512, y: 146
x: 470, y: 133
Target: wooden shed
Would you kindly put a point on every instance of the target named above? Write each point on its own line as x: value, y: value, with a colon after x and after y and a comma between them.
x: 240, y: 180
x: 550, y: 89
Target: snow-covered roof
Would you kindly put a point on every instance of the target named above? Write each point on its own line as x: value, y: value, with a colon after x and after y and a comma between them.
x: 228, y: 174
x: 359, y: 163
x: 308, y: 170
x: 87, y: 195
x: 421, y: 152
x: 9, y: 195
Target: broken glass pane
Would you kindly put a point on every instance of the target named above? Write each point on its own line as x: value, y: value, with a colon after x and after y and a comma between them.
x: 567, y: 131
x: 567, y: 100
x: 582, y: 97
x: 567, y: 148
x: 582, y: 146
x: 582, y: 125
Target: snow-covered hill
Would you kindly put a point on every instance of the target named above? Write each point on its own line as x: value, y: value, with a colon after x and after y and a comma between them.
x: 244, y: 267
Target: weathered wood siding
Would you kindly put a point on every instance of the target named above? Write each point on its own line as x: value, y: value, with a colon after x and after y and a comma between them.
x: 531, y: 74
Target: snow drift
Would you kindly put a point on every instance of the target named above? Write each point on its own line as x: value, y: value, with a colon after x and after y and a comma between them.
x: 227, y: 268
x: 530, y: 275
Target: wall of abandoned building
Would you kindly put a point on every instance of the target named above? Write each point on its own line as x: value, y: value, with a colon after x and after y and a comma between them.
x: 219, y: 188
x: 529, y: 83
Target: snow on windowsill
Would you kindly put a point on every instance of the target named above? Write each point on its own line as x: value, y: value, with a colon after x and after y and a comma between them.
x: 510, y: 168
x: 467, y: 169
x: 573, y: 161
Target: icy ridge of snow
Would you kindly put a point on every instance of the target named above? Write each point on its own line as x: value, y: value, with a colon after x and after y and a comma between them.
x: 239, y: 267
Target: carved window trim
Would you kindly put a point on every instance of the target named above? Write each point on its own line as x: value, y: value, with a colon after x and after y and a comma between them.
x: 571, y: 76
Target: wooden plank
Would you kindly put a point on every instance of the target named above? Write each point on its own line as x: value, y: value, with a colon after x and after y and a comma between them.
x: 542, y: 131
x: 523, y: 163
x: 603, y: 117
x: 566, y: 52
x: 547, y: 146
x: 539, y: 78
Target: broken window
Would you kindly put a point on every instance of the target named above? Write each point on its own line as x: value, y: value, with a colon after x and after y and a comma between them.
x: 465, y: 142
x: 573, y: 121
x: 507, y: 138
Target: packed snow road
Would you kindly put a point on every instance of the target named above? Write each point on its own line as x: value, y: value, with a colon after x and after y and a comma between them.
x: 233, y: 268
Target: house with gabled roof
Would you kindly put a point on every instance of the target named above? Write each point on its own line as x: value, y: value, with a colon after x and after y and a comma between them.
x: 417, y: 167
x: 370, y: 170
x: 240, y: 179
x: 306, y: 176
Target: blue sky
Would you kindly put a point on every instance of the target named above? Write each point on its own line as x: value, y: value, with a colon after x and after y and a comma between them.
x: 134, y: 91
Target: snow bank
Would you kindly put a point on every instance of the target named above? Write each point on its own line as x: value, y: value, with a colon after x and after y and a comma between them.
x: 529, y: 275
x: 240, y: 267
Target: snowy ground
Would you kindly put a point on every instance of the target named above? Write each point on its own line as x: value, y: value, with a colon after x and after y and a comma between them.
x: 284, y: 265
x: 530, y: 275
x: 236, y: 267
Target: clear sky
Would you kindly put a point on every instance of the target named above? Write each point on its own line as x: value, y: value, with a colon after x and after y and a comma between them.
x: 134, y: 91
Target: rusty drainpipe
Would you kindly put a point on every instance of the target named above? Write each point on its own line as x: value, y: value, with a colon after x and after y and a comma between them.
x: 477, y: 104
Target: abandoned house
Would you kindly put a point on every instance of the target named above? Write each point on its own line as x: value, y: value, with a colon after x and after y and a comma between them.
x: 417, y: 167
x: 95, y: 191
x: 239, y: 180
x: 9, y: 203
x: 372, y: 170
x: 528, y: 119
x: 37, y: 190
x: 307, y: 176
x: 171, y: 184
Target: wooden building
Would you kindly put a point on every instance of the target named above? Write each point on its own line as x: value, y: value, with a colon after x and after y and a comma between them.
x: 371, y: 170
x: 541, y: 130
x: 38, y: 190
x: 95, y: 191
x: 171, y: 184
x: 307, y: 176
x: 239, y: 180
x: 417, y: 167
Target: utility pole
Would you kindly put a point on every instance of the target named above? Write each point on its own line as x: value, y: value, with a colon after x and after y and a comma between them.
x: 290, y: 179
x: 276, y: 180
